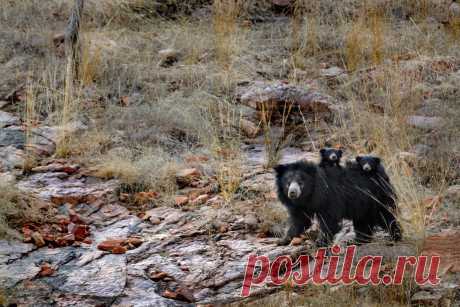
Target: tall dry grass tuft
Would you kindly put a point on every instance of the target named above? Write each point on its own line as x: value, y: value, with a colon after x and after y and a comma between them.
x: 16, y: 209
x: 377, y: 27
x: 296, y: 24
x: 354, y: 44
x: 90, y: 63
x: 8, y: 209
x: 227, y: 159
x: 274, y: 140
x: 67, y: 112
x: 305, y: 25
x: 225, y: 25
x: 224, y: 142
x: 419, y: 8
x: 145, y: 169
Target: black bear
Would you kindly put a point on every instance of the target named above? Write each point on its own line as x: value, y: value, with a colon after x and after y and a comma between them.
x: 333, y: 194
x: 306, y: 191
x: 330, y: 157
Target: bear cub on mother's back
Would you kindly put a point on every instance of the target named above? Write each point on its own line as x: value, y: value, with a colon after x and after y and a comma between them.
x: 370, y: 165
x: 333, y: 194
x: 330, y: 157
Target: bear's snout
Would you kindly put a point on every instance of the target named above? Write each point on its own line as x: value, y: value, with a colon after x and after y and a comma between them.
x: 333, y: 157
x: 367, y: 167
x: 294, y: 190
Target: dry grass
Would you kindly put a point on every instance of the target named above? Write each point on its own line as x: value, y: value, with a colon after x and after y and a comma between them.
x: 17, y: 209
x: 354, y: 295
x: 228, y: 168
x: 225, y: 24
x: 8, y: 209
x: 150, y: 169
x: 224, y: 142
x: 275, y: 140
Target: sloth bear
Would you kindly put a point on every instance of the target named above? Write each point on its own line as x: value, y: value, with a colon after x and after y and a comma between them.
x: 330, y: 157
x: 370, y: 165
x: 333, y: 194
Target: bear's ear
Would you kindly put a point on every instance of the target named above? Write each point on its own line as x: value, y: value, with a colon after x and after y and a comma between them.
x: 280, y: 169
x: 339, y: 152
x: 377, y: 160
x: 322, y: 151
x: 358, y: 159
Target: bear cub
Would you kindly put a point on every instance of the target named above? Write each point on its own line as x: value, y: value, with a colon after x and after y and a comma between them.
x: 330, y: 157
x: 369, y: 165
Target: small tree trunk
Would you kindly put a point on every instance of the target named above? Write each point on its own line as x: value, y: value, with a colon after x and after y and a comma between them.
x: 72, y: 50
x: 72, y: 42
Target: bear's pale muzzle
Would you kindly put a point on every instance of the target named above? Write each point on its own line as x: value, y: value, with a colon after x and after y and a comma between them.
x: 367, y: 167
x: 294, y: 190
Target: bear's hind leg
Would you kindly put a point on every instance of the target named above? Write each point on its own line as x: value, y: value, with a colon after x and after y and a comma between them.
x: 329, y: 226
x: 363, y: 232
x: 389, y: 223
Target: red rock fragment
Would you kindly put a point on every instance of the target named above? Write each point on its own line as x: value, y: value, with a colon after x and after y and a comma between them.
x: 119, y: 250
x: 81, y: 232
x: 181, y: 200
x: 109, y: 245
x: 46, y: 270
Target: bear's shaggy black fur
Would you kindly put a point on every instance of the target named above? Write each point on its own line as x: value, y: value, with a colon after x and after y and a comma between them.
x: 332, y: 194
x: 330, y: 157
x: 370, y: 165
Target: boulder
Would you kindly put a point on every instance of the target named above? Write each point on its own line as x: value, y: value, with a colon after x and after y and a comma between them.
x: 276, y: 96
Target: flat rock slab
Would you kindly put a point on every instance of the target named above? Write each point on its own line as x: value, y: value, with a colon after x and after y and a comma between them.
x: 13, y: 250
x: 59, y: 188
x: 12, y: 136
x: 8, y: 119
x: 104, y: 277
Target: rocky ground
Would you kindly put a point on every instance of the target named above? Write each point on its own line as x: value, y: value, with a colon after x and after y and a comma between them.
x: 195, y: 252
x: 104, y: 240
